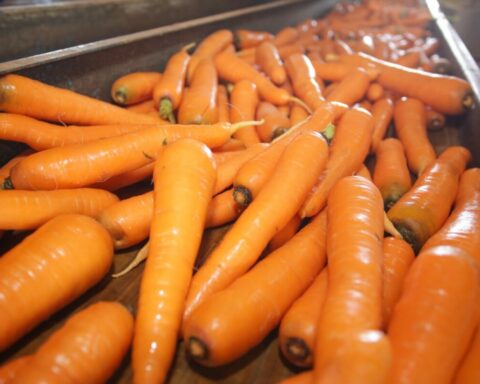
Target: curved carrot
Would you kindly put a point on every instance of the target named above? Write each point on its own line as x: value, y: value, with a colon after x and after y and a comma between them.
x: 275, y: 123
x: 245, y: 38
x: 48, y: 270
x: 435, y: 120
x: 397, y: 258
x: 285, y: 234
x: 425, y: 207
x: 351, y: 88
x: 348, y: 151
x: 286, y: 35
x: 244, y: 100
x: 391, y: 174
x: 468, y: 371
x: 134, y: 87
x: 234, y: 320
x: 298, y: 328
x: 436, y: 316
x: 168, y: 92
x: 208, y: 48
x: 382, y: 112
x: 87, y: 349
x: 374, y: 92
x: 268, y: 58
x: 24, y: 96
x: 184, y: 178
x: 223, y: 105
x: 10, y: 370
x: 199, y: 104
x: 245, y: 241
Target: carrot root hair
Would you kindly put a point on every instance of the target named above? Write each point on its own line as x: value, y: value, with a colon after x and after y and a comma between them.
x: 139, y: 257
x: 189, y: 47
x: 197, y: 349
x: 242, y: 195
x: 166, y: 110
x: 297, y: 349
x: 300, y: 102
x: 242, y: 124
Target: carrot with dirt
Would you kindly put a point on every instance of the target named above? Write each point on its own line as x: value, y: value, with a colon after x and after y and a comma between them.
x: 88, y: 348
x: 391, y: 174
x: 298, y: 328
x: 134, y: 87
x: 223, y: 107
x: 436, y: 316
x: 468, y: 371
x: 24, y: 96
x: 245, y: 241
x: 285, y: 234
x: 348, y: 151
x: 411, y: 127
x: 184, y: 179
x: 234, y: 320
x: 382, y: 112
x: 351, y: 88
x: 49, y: 269
x: 425, y: 207
x: 268, y: 58
x: 199, y: 101
x: 244, y: 101
x: 275, y: 123
x: 245, y: 38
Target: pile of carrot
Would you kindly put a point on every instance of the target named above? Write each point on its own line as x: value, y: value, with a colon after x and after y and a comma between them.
x: 347, y: 230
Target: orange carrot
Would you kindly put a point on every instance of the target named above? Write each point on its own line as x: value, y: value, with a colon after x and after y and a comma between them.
x: 134, y: 87
x: 351, y: 88
x: 199, y: 105
x: 397, y: 258
x: 290, y: 49
x: 374, y: 92
x: 5, y: 170
x: 365, y: 104
x: 299, y: 378
x: 332, y: 71
x: 286, y: 35
x: 297, y: 114
x: 409, y: 59
x: 234, y: 320
x: 435, y: 120
x: 348, y: 151
x: 10, y: 370
x: 285, y: 234
x: 144, y: 107
x: 391, y: 174
x: 231, y: 145
x: 24, y: 96
x: 468, y: 371
x: 275, y: 123
x: 245, y: 38
x: 435, y: 317
x: 48, y: 270
x: 245, y: 241
x: 298, y: 328
x: 184, y: 178
x: 87, y: 349
x: 382, y: 112
x: 223, y: 105
x: 268, y: 58
x: 244, y: 99
x: 425, y: 207
x: 222, y: 209
x: 126, y: 179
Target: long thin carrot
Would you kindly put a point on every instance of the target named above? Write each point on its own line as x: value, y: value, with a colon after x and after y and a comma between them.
x: 245, y: 38
x: 382, y: 112
x: 10, y: 370
x: 349, y: 149
x: 234, y: 320
x: 391, y: 174
x: 468, y: 371
x: 425, y: 207
x: 223, y: 105
x: 298, y: 328
x: 436, y: 316
x: 21, y: 95
x: 285, y: 234
x: 275, y: 123
x: 268, y: 58
x: 245, y: 241
x: 351, y: 88
x: 184, y: 178
x: 244, y: 100
x: 48, y: 270
x: 199, y: 102
x: 87, y: 349
x: 134, y: 87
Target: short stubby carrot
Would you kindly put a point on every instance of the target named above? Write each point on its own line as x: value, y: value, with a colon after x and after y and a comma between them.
x: 411, y: 127
x: 184, y: 179
x: 391, y: 174
x: 49, y: 269
x: 275, y: 123
x: 468, y: 371
x: 234, y: 320
x: 268, y: 58
x: 88, y: 348
x: 425, y: 207
x: 435, y: 318
x: 244, y: 101
x: 245, y: 241
x: 134, y: 87
x: 382, y: 112
x: 245, y: 38
x: 351, y: 88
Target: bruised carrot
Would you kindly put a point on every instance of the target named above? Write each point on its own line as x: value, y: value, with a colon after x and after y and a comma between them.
x: 245, y: 38
x: 245, y: 241
x: 122, y: 180
x: 425, y: 207
x: 144, y: 107
x: 285, y: 234
x: 351, y: 88
x: 275, y: 123
x: 286, y: 35
x: 382, y: 112
x: 391, y: 174
x: 244, y: 99
x: 10, y: 370
x: 88, y: 348
x: 435, y: 120
x: 134, y: 87
x: 268, y: 58
x: 24, y: 96
x: 374, y: 92
x: 49, y: 269
x: 234, y: 320
x: 298, y: 328
x: 223, y: 105
x: 436, y: 316
x: 468, y: 371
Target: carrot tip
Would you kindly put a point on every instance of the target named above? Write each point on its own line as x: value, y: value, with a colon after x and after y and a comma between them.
x: 197, y: 349
x: 139, y: 257
x: 241, y: 124
x: 166, y: 110
x: 409, y: 236
x: 121, y: 96
x: 242, y: 195
x: 189, y: 47
x: 7, y: 184
x: 468, y: 101
x: 297, y: 349
x: 328, y: 132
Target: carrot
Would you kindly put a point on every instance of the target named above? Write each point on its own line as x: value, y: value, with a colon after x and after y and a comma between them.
x: 234, y: 320
x: 87, y: 349
x: 409, y: 59
x: 425, y: 207
x: 435, y: 120
x: 24, y: 96
x: 285, y: 234
x: 231, y: 145
x: 243, y: 244
x: 351, y: 88
x: 354, y: 249
x: 365, y: 104
x: 286, y: 35
x: 468, y: 371
x: 245, y: 38
x: 446, y: 94
x: 223, y: 105
x: 248, y: 56
x: 5, y: 170
x: 222, y: 209
x: 30, y: 209
x: 299, y: 325
x: 143, y: 107
x: 290, y: 49
x: 374, y: 92
x: 126, y: 179
x: 347, y: 152
x: 168, y: 92
x: 397, y: 258
x: 184, y: 178
x: 9, y: 371
x: 382, y: 112
x: 244, y: 99
x: 268, y: 58
x: 208, y: 48
x: 299, y: 378
x: 297, y: 114
x: 332, y: 71
x: 199, y: 105
x: 49, y: 269
x: 275, y: 123
x: 134, y: 87
x: 435, y: 317
x: 391, y: 174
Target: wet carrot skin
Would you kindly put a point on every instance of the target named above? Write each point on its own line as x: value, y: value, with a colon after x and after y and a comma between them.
x: 468, y: 370
x: 10, y: 370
